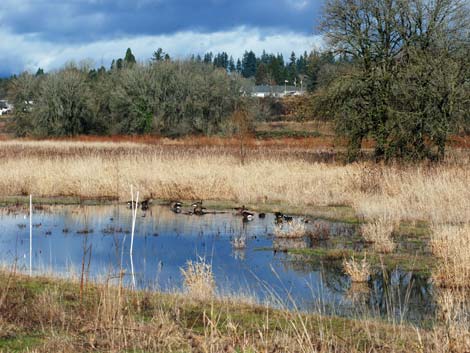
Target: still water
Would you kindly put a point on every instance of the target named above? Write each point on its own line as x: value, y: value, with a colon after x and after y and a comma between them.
x: 65, y: 237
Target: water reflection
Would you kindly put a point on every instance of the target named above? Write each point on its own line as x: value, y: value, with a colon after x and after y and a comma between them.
x: 97, y: 238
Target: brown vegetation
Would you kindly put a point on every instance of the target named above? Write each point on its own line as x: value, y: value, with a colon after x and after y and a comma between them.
x: 358, y: 271
x: 44, y: 315
x: 437, y: 193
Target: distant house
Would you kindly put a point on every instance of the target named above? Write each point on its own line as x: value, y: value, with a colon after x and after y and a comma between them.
x: 264, y: 91
x: 5, y: 107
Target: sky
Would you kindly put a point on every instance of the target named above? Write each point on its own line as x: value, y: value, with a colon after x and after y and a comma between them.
x: 50, y: 33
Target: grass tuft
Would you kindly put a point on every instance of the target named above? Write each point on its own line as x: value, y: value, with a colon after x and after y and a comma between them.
x: 379, y: 232
x: 358, y: 271
x: 294, y: 229
x: 198, y: 279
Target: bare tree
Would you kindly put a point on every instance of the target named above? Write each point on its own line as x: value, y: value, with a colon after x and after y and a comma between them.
x: 392, y: 46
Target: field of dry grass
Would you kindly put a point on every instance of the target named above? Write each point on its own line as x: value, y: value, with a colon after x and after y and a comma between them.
x: 46, y: 315
x: 438, y: 194
x: 290, y: 174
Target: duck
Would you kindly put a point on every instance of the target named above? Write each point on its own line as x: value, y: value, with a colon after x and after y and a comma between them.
x: 176, y: 206
x: 262, y: 215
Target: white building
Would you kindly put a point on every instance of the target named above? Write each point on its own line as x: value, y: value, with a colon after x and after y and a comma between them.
x: 275, y: 91
x: 5, y: 107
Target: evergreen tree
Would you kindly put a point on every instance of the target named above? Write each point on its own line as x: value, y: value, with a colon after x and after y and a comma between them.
x: 40, y: 72
x: 208, y: 58
x: 129, y: 59
x: 119, y: 64
x: 158, y: 55
x: 261, y: 77
x: 239, y: 66
x: 249, y: 64
x: 292, y: 69
x: 231, y: 65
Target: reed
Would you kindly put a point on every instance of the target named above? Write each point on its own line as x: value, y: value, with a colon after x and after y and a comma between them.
x: 198, y: 279
x: 453, y: 307
x: 379, y: 233
x: 293, y: 229
x: 451, y: 244
x: 359, y: 271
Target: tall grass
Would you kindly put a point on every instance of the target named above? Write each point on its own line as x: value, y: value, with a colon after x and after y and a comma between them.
x: 294, y: 229
x: 379, y: 233
x: 439, y: 194
x: 358, y: 271
x: 453, y: 307
x: 198, y: 279
x: 451, y: 244
x: 113, y: 319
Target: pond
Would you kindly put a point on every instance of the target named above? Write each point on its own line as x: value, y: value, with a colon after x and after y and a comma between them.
x: 98, y: 237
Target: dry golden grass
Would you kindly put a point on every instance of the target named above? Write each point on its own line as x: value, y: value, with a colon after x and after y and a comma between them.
x: 112, y: 319
x: 294, y: 229
x: 287, y: 175
x: 379, y: 233
x: 453, y: 310
x: 451, y: 244
x: 281, y: 174
x: 358, y: 271
x: 198, y: 279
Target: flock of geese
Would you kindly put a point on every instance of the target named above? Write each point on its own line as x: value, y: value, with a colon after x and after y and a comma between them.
x: 199, y: 210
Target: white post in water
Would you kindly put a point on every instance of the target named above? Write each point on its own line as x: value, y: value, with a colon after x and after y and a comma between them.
x: 134, y: 217
x: 30, y: 235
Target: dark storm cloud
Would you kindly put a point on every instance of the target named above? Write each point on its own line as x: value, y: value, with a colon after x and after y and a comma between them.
x: 88, y: 20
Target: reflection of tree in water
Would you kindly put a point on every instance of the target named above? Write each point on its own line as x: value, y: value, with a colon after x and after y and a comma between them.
x: 401, y: 295
x: 332, y: 274
x: 394, y: 294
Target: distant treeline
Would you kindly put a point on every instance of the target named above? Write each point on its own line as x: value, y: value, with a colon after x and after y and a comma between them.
x: 272, y: 69
x: 166, y: 97
x: 267, y: 69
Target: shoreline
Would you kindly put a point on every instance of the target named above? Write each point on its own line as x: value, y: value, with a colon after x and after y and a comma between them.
x: 191, y: 326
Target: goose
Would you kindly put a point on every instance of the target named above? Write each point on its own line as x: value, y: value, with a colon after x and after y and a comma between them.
x: 197, y: 204
x: 288, y: 218
x: 145, y: 204
x: 199, y: 210
x: 247, y: 216
x: 240, y: 210
x: 279, y: 217
x: 176, y: 206
x: 132, y: 204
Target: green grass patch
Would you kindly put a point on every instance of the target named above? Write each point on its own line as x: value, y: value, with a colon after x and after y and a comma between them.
x: 19, y: 343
